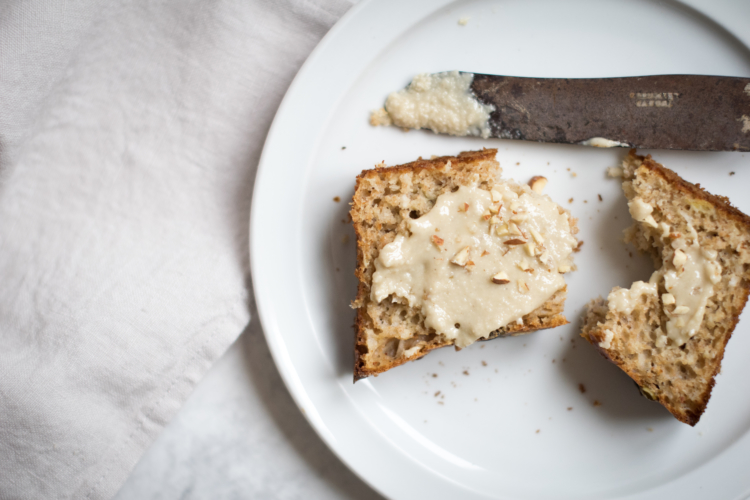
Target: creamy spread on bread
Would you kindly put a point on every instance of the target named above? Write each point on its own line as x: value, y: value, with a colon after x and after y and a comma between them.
x: 441, y: 102
x: 690, y: 280
x: 624, y: 300
x: 688, y: 273
x: 478, y: 260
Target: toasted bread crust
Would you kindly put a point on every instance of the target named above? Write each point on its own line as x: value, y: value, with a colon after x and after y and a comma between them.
x: 377, y: 350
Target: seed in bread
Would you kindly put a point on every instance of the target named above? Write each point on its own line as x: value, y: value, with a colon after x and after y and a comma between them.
x: 399, y: 319
x: 669, y: 334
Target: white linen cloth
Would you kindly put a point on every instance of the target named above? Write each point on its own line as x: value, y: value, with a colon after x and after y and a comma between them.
x: 129, y: 137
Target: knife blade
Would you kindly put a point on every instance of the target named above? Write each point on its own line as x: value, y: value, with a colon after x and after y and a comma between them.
x: 691, y: 112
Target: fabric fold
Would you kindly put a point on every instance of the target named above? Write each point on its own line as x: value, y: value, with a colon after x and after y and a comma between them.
x: 129, y: 138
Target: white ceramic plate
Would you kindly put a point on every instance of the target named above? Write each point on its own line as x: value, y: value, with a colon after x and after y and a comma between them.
x: 510, y: 420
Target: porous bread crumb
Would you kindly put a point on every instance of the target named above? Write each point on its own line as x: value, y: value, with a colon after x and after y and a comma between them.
x: 679, y: 377
x: 614, y: 171
x: 384, y: 199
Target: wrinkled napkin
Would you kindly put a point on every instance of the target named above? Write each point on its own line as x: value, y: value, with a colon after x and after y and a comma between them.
x: 129, y: 137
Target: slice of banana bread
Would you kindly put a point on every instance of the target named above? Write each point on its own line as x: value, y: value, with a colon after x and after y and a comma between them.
x: 391, y: 332
x: 669, y: 334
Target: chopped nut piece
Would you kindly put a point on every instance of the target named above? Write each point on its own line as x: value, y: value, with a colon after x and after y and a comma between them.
x: 530, y: 248
x: 514, y: 241
x: 709, y: 254
x: 522, y: 265
x: 522, y: 286
x: 494, y: 209
x: 714, y: 271
x: 545, y: 258
x: 563, y: 268
x: 485, y: 252
x: 502, y: 230
x: 538, y: 183
x: 461, y: 257
x: 496, y: 196
x: 520, y: 217
x: 537, y: 237
x: 514, y: 206
x: 679, y: 258
x: 681, y: 310
x: 667, y: 299
x: 494, y: 219
x: 437, y: 240
x: 514, y: 229
x: 501, y: 278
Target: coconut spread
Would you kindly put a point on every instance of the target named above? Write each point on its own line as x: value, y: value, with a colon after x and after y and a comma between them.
x: 478, y: 260
x: 688, y: 273
x: 441, y: 102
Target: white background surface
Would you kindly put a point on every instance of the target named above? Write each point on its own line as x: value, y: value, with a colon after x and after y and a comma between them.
x: 129, y: 137
x: 479, y: 439
x: 241, y: 436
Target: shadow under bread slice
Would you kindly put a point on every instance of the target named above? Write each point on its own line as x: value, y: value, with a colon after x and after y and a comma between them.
x: 449, y: 253
x: 669, y: 334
